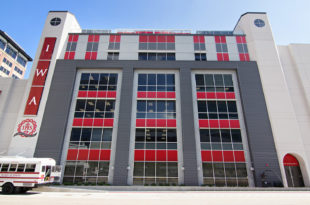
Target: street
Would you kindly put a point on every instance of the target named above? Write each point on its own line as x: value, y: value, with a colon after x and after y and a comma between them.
x: 150, y: 198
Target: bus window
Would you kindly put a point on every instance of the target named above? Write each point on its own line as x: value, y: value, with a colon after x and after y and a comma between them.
x: 5, y: 167
x: 43, y: 169
x: 13, y: 168
x: 21, y: 167
x: 30, y: 167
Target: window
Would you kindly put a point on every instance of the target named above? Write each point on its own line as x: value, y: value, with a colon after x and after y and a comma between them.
x: 4, y: 70
x: 13, y: 168
x: 156, y: 42
x: 259, y: 23
x: 89, y: 150
x: 156, y: 148
x: 6, y: 61
x: 21, y: 61
x: 113, y: 56
x: 242, y: 48
x: 15, y: 77
x: 55, y: 21
x: 30, y: 167
x: 199, y: 43
x: 222, y: 150
x: 20, y: 167
x: 92, y: 47
x: 200, y: 57
x: 9, y: 50
x: 5, y: 167
x: 71, y: 47
x: 18, y: 70
x: 114, y: 42
x: 2, y: 44
x: 157, y: 56
x: 221, y: 48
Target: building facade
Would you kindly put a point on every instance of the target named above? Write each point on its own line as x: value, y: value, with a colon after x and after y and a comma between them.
x: 13, y: 59
x: 160, y: 107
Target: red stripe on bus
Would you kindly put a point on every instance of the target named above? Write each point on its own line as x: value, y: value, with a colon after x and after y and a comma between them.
x: 21, y: 177
x: 19, y: 172
x: 24, y: 182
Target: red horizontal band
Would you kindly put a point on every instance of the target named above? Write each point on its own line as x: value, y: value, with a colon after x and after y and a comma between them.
x: 33, y: 182
x: 222, y: 156
x: 156, y: 155
x: 156, y: 123
x: 219, y: 124
x: 97, y: 94
x: 22, y: 177
x: 19, y: 172
x: 89, y: 154
x: 156, y: 95
x: 95, y: 122
x: 216, y: 95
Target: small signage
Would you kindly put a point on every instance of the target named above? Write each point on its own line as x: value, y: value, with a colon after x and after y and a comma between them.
x: 27, y: 128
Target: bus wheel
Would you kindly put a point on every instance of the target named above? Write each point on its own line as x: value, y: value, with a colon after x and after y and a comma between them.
x: 8, y: 188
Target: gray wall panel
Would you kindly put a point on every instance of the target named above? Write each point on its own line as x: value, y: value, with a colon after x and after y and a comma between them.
x: 261, y: 144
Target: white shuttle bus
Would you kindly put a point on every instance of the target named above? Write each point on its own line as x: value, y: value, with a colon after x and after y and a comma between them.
x: 18, y: 174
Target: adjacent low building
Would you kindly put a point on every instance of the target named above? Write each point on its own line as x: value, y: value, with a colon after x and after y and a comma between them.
x: 136, y: 107
x: 13, y: 59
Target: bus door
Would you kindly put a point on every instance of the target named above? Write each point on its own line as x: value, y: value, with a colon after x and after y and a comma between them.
x: 48, y: 172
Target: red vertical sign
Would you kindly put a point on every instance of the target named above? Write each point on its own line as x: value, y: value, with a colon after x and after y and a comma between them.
x: 39, y: 78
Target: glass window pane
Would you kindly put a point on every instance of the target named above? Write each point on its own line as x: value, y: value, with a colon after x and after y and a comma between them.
x: 86, y: 134
x: 218, y: 80
x: 241, y: 170
x: 236, y: 135
x: 215, y: 135
x: 80, y: 105
x: 212, y: 106
x: 107, y: 134
x: 161, y: 135
x: 207, y: 169
x: 142, y: 79
x: 138, y: 169
x: 103, y: 169
x: 225, y: 133
x: 140, y: 135
x: 69, y: 169
x: 170, y: 57
x: 150, y: 135
x: 161, y: 169
x: 90, y: 105
x: 218, y: 170
x: 171, y: 106
x: 84, y: 78
x: 161, y: 79
x: 104, y: 77
x: 150, y: 169
x: 202, y: 106
x: 199, y: 80
x: 161, y: 106
x: 221, y: 106
x: 75, y: 134
x: 170, y: 79
x: 141, y: 106
x: 204, y: 135
x: 172, y: 169
x: 96, y: 135
x: 230, y: 170
x: 151, y: 106
x: 171, y: 135
x: 93, y: 168
x: 151, y: 79
x: 143, y: 56
x: 109, y: 106
x: 209, y: 80
x: 113, y: 79
x: 232, y: 106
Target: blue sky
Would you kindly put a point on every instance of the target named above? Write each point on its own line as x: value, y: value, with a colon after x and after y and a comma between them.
x: 24, y: 20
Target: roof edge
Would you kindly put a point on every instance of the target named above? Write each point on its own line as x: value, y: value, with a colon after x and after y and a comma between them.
x: 13, y: 43
x: 246, y: 13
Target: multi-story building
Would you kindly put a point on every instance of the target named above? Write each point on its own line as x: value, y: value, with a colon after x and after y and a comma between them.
x: 13, y: 59
x: 135, y: 107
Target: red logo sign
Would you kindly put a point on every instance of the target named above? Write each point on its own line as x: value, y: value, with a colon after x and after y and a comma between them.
x: 27, y: 128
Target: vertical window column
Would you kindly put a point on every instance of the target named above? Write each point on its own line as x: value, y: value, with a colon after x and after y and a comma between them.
x: 222, y: 148
x: 71, y: 47
x: 114, y: 42
x: 221, y: 48
x: 89, y: 151
x: 156, y: 148
x: 242, y: 48
x: 92, y: 47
